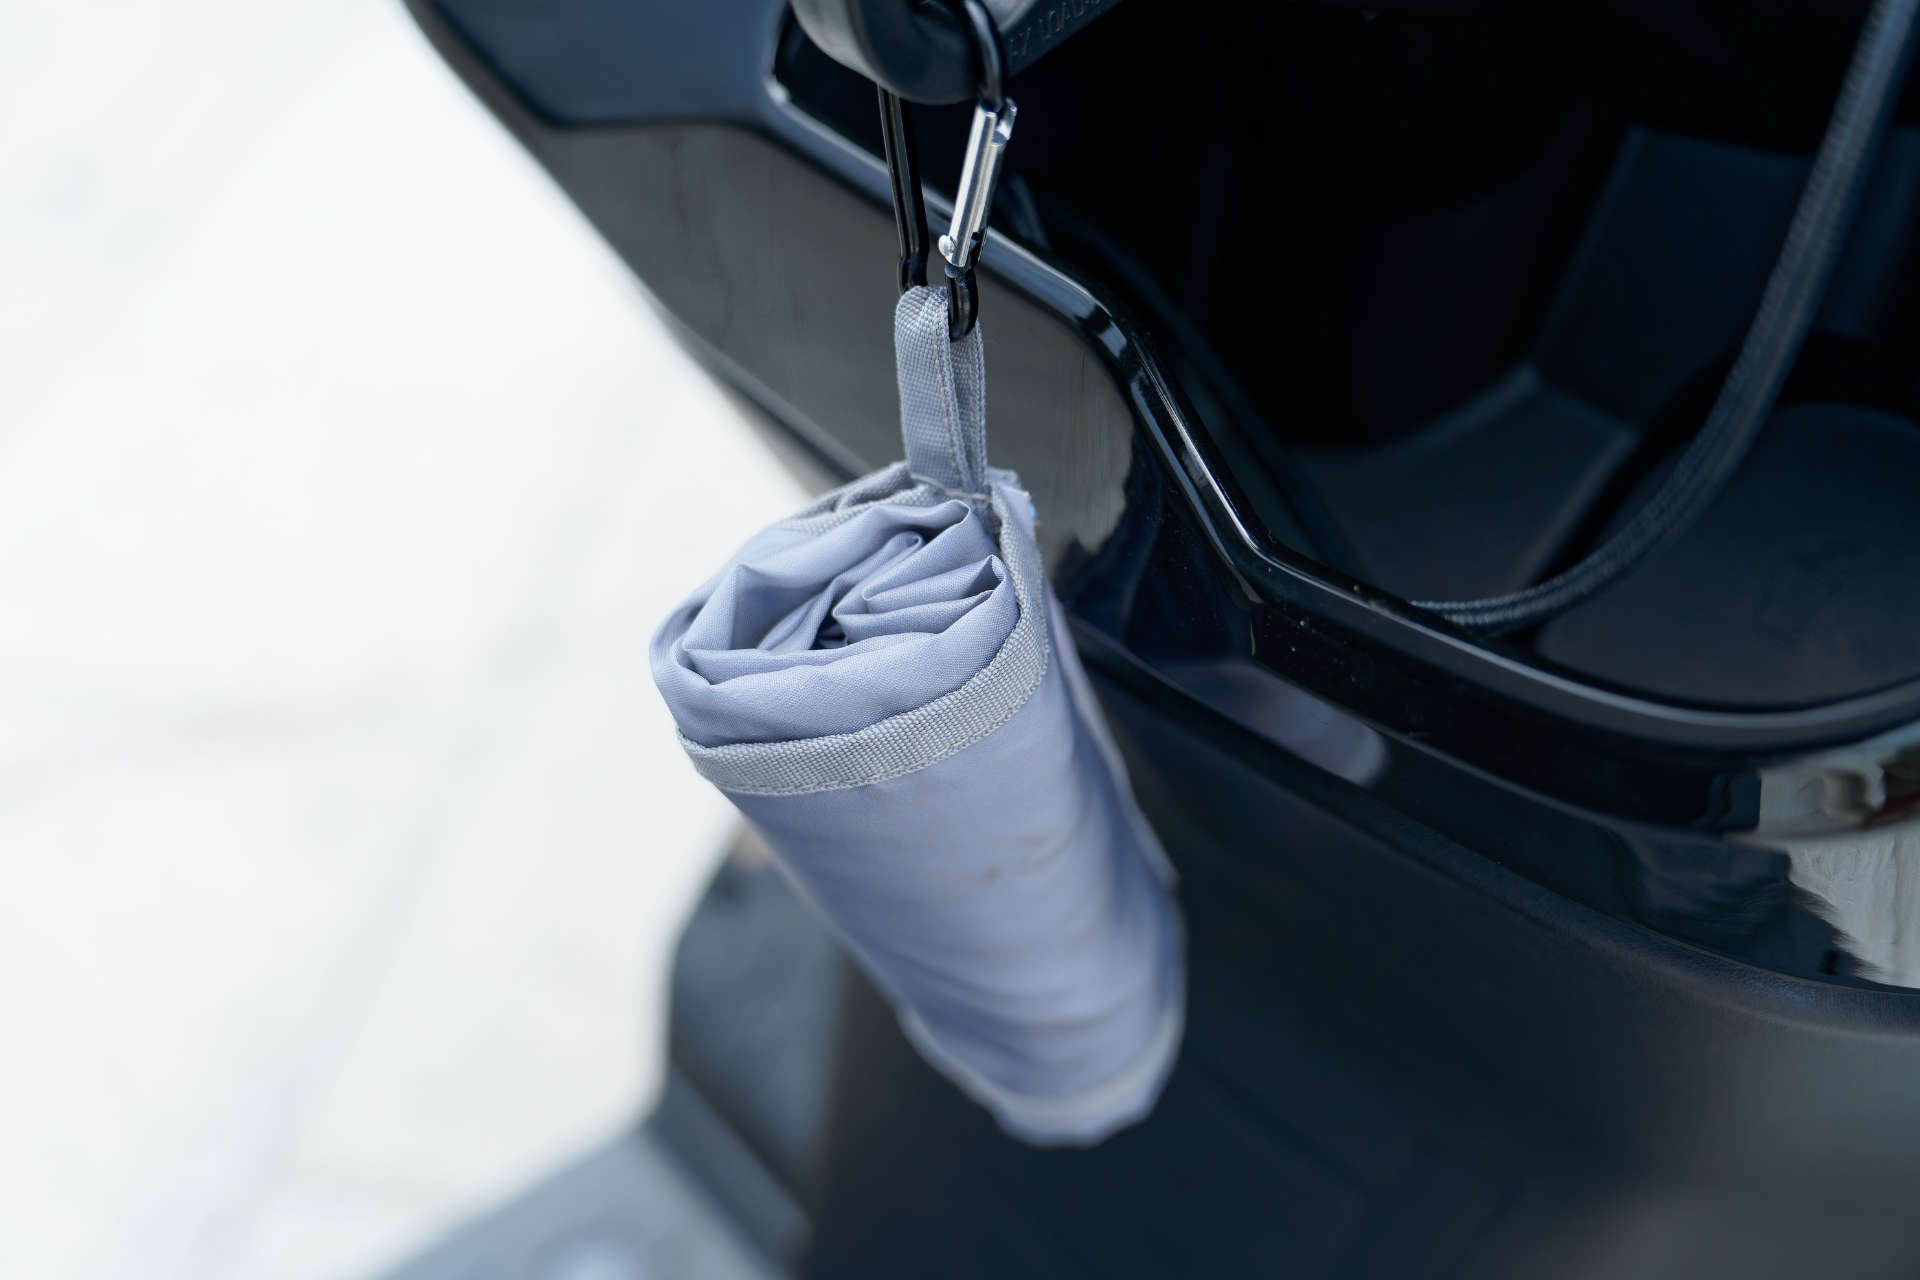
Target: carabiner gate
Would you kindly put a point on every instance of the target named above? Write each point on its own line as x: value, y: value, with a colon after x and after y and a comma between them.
x: 972, y: 204
x: 993, y: 117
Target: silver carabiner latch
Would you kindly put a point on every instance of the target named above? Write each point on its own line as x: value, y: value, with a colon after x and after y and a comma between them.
x: 973, y: 199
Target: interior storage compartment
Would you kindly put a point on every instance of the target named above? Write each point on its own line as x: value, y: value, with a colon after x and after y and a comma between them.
x: 1453, y: 283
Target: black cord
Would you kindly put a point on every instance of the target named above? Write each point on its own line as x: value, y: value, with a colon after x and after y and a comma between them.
x: 1787, y: 312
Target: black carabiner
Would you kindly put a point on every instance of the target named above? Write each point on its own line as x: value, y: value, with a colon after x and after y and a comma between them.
x: 973, y: 201
x: 903, y: 171
x: 992, y: 125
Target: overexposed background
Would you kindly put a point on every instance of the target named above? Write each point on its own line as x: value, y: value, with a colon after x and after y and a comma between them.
x: 342, y: 479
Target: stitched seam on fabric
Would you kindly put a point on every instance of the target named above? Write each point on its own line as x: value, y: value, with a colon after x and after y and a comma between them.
x: 950, y: 410
x: 942, y: 393
x: 971, y: 384
x: 948, y: 491
x: 718, y: 777
x: 849, y: 500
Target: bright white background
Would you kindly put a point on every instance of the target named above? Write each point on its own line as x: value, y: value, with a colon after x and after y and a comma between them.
x: 343, y: 474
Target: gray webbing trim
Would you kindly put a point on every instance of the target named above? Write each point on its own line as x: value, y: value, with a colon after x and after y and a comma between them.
x: 943, y: 395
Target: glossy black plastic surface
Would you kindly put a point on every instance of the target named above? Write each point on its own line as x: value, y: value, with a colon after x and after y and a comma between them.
x: 1499, y: 1000
x: 1404, y: 1062
x: 770, y: 240
x: 1400, y: 1061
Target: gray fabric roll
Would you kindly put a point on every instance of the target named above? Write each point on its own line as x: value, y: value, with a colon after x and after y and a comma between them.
x: 885, y: 686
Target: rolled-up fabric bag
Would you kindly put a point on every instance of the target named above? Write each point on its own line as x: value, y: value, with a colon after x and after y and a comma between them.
x: 885, y: 686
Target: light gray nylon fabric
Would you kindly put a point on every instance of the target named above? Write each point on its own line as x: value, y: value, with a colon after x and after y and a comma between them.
x: 888, y: 711
x: 884, y: 685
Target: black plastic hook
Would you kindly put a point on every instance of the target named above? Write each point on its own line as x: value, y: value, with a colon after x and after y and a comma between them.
x: 909, y: 205
x: 990, y: 55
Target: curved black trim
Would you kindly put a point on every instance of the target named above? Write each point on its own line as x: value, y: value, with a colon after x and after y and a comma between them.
x: 1278, y: 577
x: 1494, y: 696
